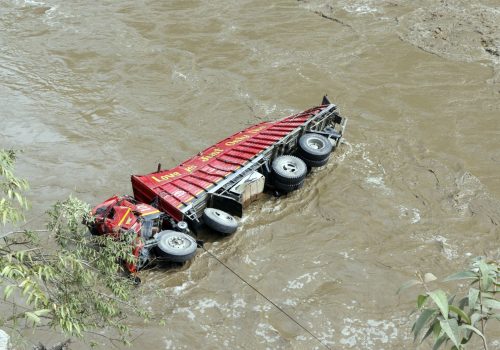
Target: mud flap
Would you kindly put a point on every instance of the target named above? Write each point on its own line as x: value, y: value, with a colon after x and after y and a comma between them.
x: 325, y: 100
x: 227, y: 204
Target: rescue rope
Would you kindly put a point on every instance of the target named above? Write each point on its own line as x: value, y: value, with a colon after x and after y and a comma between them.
x: 269, y: 300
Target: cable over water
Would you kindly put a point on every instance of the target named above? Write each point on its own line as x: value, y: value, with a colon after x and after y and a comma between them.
x: 265, y: 297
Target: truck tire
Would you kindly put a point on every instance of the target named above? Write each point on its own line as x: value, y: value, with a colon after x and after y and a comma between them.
x: 314, y: 147
x: 287, y: 188
x: 288, y: 170
x: 220, y: 221
x: 315, y: 163
x: 176, y: 246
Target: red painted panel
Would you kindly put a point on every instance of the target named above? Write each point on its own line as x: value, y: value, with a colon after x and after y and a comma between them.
x: 210, y: 170
x: 186, y: 186
x: 267, y: 138
x: 255, y: 145
x: 176, y: 192
x: 275, y: 133
x: 169, y: 199
x: 242, y: 156
x: 280, y: 127
x: 206, y: 176
x: 247, y: 149
x: 198, y: 182
x: 232, y: 160
x: 224, y: 167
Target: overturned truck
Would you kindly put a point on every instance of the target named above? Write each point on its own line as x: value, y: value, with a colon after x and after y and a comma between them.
x: 212, y: 188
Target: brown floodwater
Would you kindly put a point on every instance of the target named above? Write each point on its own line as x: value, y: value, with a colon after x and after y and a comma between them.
x: 96, y: 91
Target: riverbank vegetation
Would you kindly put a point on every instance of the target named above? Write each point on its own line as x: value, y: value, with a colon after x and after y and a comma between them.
x: 73, y: 285
x: 455, y: 319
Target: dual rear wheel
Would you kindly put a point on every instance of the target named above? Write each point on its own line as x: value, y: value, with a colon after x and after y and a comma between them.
x: 289, y: 172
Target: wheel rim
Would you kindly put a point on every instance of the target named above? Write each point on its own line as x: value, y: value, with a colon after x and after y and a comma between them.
x: 289, y: 167
x: 177, y: 242
x: 222, y: 215
x: 315, y: 143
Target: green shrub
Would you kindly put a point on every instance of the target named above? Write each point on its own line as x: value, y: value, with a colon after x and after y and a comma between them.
x: 450, y: 319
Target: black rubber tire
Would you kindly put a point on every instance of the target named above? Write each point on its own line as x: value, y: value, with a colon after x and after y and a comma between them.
x: 315, y: 163
x: 93, y: 230
x: 220, y: 221
x: 289, y: 170
x: 176, y: 246
x: 314, y: 147
x: 287, y: 188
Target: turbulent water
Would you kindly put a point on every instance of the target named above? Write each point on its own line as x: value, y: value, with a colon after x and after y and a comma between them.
x: 96, y: 91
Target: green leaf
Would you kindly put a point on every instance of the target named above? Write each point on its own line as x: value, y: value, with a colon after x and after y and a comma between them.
x: 460, y: 313
x: 474, y: 318
x: 462, y: 275
x: 485, y: 280
x: 450, y: 327
x: 473, y: 295
x: 491, y: 303
x: 424, y: 317
x: 31, y: 316
x: 8, y: 291
x: 421, y: 300
x: 463, y: 302
x: 430, y: 330
x: 42, y: 312
x: 436, y: 329
x: 474, y: 329
x: 407, y: 285
x: 439, y: 342
x: 439, y: 297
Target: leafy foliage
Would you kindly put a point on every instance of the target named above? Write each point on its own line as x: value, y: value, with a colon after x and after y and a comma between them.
x: 448, y: 320
x: 76, y: 286
x: 12, y: 202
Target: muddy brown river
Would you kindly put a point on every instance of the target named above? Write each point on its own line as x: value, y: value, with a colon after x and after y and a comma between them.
x: 96, y: 91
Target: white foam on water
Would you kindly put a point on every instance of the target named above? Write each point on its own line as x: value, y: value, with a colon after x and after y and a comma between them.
x: 413, y: 213
x: 369, y: 334
x: 448, y: 250
x: 415, y: 216
x: 346, y: 255
x: 291, y: 302
x: 248, y: 261
x: 267, y: 332
x: 378, y: 182
x: 179, y: 289
x: 327, y: 336
x: 360, y: 7
x: 262, y: 308
x: 176, y: 74
x: 239, y: 302
x: 189, y: 313
x: 168, y: 343
x: 300, y: 281
x: 207, y: 303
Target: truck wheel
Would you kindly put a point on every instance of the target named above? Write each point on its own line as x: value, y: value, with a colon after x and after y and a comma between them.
x: 286, y: 188
x: 315, y: 163
x: 289, y: 170
x: 314, y: 147
x: 176, y: 246
x: 220, y: 221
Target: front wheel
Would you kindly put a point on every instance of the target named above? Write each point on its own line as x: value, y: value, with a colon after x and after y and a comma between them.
x: 176, y: 246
